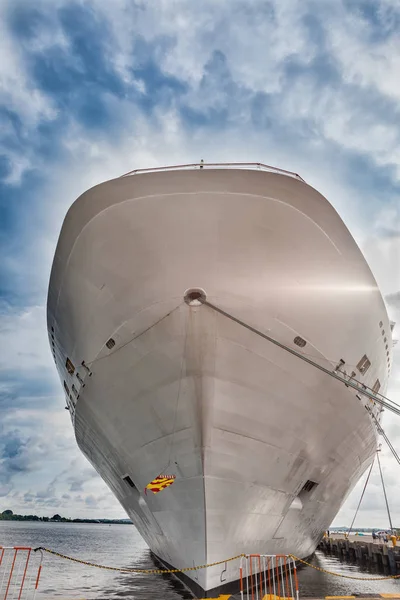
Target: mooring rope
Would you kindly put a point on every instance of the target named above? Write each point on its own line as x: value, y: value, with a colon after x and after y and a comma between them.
x: 351, y: 382
x: 362, y: 496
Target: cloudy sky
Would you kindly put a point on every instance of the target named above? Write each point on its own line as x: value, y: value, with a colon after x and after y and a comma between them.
x: 91, y: 89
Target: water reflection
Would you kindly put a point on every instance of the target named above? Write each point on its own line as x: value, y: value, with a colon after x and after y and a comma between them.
x: 314, y: 583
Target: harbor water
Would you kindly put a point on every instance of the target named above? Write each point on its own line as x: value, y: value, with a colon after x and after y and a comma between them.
x: 122, y: 546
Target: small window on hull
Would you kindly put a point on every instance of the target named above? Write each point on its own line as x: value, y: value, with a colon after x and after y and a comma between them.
x: 129, y: 481
x: 70, y: 367
x: 376, y: 387
x: 309, y: 485
x: 110, y: 344
x: 364, y: 364
x: 66, y: 388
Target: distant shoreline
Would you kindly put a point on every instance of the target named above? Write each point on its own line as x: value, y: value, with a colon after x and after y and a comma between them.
x: 9, y: 517
x: 72, y: 521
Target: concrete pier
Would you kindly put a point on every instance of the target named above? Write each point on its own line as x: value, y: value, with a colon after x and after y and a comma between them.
x: 364, y: 551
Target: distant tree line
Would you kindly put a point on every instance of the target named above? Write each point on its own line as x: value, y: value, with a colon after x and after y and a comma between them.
x: 8, y: 515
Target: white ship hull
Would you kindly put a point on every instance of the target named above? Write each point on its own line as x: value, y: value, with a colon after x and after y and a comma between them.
x: 243, y: 425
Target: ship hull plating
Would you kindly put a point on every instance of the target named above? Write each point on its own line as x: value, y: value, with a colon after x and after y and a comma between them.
x: 264, y: 447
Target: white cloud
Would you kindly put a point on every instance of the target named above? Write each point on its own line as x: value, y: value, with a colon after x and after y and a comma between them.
x: 25, y: 345
x: 370, y: 64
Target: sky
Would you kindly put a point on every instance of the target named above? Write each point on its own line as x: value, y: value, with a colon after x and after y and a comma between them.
x: 92, y: 89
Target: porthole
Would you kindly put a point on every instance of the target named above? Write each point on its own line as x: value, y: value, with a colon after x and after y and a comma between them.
x: 384, y: 340
x: 383, y: 332
x: 195, y: 296
x: 52, y: 329
x: 299, y: 341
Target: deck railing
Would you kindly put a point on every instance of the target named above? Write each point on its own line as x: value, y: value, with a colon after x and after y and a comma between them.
x: 202, y: 165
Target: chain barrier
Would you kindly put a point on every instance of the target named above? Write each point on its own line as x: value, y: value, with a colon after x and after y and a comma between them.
x: 304, y: 562
x: 254, y: 569
x: 145, y: 571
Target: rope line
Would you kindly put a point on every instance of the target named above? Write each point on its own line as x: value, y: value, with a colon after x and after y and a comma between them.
x: 362, y: 496
x: 384, y: 492
x: 304, y: 562
x: 351, y: 382
x: 146, y: 571
x: 385, y: 437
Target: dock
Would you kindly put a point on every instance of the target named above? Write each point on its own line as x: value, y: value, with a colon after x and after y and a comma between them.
x: 372, y: 554
x: 272, y: 597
